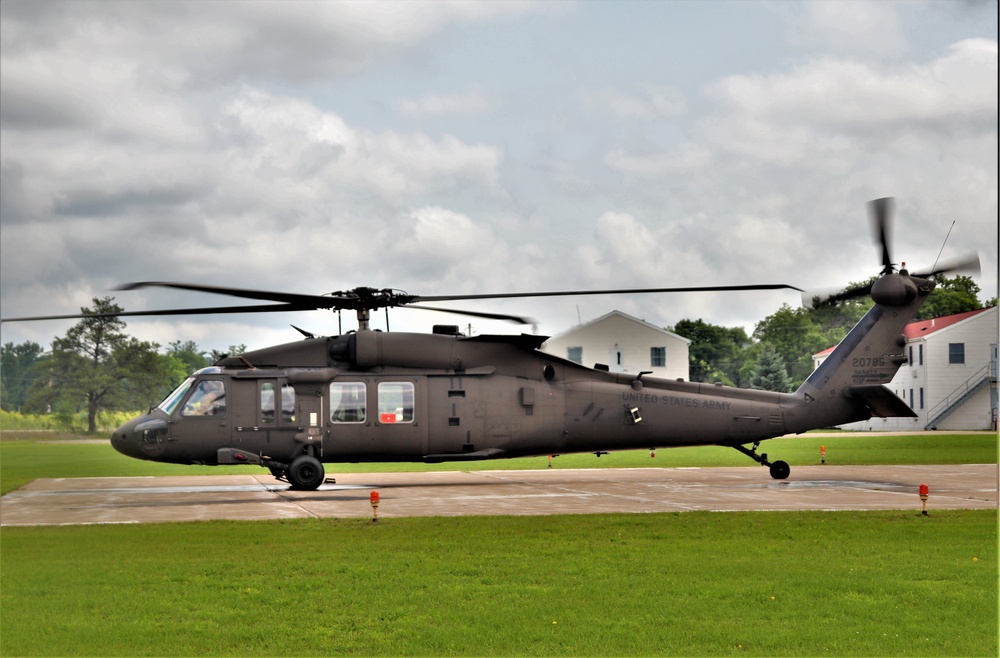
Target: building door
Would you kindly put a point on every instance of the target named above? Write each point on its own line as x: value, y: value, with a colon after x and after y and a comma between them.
x: 616, y: 357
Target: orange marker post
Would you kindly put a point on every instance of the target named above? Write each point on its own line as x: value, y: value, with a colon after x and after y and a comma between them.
x: 822, y: 454
x: 374, y: 499
x: 924, y: 491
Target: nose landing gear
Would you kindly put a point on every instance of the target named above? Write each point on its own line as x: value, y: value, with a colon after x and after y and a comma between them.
x: 779, y: 469
x: 305, y: 473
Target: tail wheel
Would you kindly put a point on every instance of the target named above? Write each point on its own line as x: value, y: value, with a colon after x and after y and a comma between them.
x: 305, y: 472
x: 780, y: 470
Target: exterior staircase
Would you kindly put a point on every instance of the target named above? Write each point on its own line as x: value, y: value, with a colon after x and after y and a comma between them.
x: 984, y: 376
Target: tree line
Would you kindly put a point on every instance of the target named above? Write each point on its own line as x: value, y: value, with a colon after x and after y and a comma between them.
x: 95, y: 367
x: 98, y: 367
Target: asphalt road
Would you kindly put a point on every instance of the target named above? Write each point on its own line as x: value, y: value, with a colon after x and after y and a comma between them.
x: 73, y: 501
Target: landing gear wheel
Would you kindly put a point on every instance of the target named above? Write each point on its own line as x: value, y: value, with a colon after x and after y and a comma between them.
x: 305, y: 472
x: 780, y: 470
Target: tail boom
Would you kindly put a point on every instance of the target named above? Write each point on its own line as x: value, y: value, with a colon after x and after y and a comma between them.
x: 849, y: 385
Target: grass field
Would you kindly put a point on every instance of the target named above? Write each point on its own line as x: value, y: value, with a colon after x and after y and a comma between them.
x: 806, y: 583
x: 812, y: 583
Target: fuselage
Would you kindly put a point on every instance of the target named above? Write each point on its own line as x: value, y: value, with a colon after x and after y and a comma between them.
x: 417, y: 397
x: 373, y: 396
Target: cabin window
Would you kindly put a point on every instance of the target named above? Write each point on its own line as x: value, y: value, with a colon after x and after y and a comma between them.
x: 271, y: 398
x: 267, y: 403
x: 207, y: 399
x: 287, y: 403
x: 956, y: 353
x: 658, y: 357
x: 575, y: 354
x: 395, y: 402
x: 348, y: 402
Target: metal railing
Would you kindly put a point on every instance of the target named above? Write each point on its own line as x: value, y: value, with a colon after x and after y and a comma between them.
x: 937, y: 412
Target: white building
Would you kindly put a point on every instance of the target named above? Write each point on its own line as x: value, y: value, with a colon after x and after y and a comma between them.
x: 624, y: 344
x: 950, y: 380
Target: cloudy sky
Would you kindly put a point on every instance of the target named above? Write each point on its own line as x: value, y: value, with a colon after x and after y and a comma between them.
x: 482, y: 147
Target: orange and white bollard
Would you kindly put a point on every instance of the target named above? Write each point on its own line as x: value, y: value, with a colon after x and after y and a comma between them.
x: 822, y: 454
x: 374, y: 500
x: 924, y: 491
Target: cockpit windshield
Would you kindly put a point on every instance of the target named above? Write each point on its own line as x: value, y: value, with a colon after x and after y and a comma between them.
x: 171, y: 401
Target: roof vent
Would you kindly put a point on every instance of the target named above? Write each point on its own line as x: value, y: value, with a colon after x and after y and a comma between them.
x: 446, y: 330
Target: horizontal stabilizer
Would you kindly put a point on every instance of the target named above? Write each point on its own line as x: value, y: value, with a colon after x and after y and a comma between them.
x: 882, y: 402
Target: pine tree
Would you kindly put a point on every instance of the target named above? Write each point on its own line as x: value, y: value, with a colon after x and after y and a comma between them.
x: 770, y: 374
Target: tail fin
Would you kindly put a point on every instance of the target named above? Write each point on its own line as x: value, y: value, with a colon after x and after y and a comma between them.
x: 848, y: 385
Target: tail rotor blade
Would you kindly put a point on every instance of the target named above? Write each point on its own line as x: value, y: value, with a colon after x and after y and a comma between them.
x: 880, y: 212
x: 965, y: 264
x: 828, y: 296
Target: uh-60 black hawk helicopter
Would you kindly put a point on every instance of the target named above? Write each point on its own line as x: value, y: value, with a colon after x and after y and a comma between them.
x: 383, y: 397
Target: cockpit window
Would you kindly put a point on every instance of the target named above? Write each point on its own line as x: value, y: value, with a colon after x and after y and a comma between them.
x: 207, y: 399
x: 171, y: 401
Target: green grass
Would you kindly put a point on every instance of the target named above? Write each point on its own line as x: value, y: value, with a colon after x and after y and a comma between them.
x: 809, y: 583
x: 25, y: 457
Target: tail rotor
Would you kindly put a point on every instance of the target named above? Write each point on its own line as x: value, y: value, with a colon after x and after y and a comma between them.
x: 880, y: 213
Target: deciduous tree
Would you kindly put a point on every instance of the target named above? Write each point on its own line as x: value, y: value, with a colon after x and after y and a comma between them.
x: 951, y: 296
x: 18, y: 369
x: 716, y: 353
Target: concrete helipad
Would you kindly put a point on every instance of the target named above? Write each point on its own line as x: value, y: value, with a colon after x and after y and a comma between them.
x: 258, y: 496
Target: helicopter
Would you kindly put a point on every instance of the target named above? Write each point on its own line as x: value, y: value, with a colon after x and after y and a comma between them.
x: 373, y: 396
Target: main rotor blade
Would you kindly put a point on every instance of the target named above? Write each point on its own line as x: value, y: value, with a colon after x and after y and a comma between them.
x: 622, y: 291
x: 880, y: 212
x: 300, y: 301
x: 476, y: 314
x: 258, y: 308
x: 365, y: 298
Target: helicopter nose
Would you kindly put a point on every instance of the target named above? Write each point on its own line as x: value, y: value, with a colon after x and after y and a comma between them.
x: 142, y: 437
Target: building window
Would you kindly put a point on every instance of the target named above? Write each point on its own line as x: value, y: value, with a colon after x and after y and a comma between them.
x: 575, y: 354
x: 921, y: 352
x: 921, y: 397
x: 956, y: 353
x: 911, y: 356
x: 658, y: 357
